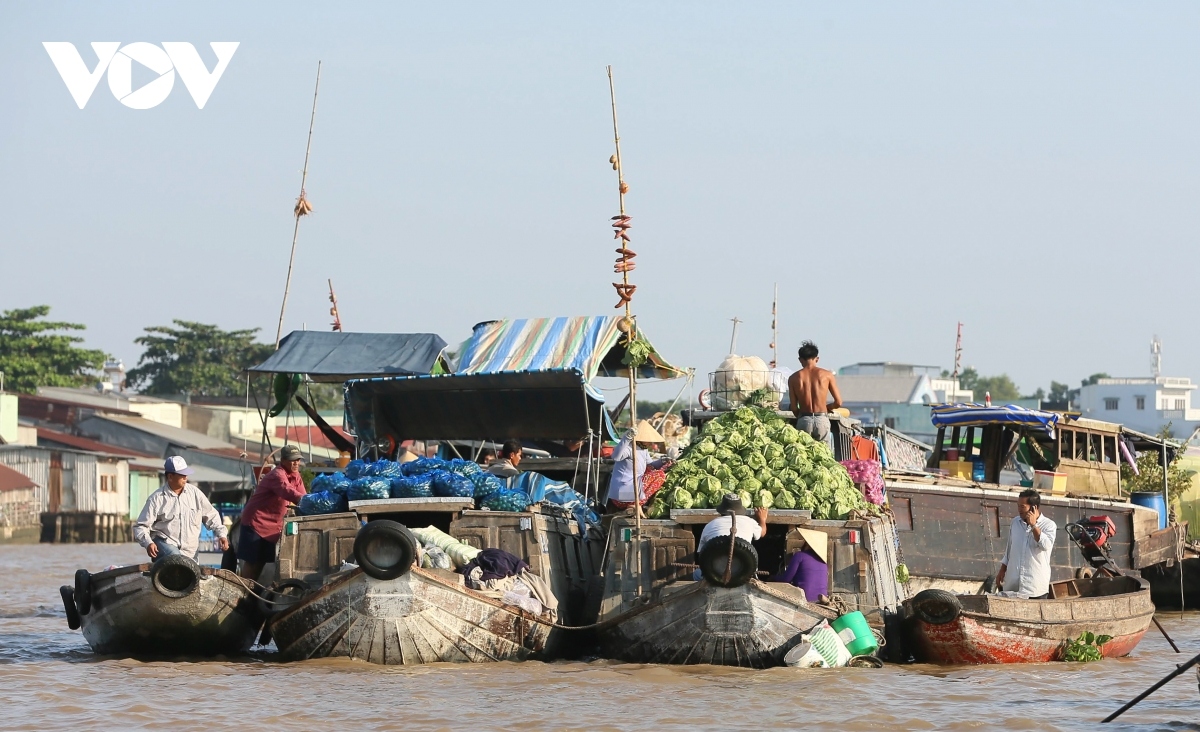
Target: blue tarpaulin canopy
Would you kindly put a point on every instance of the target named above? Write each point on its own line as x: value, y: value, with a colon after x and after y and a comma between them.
x: 975, y: 415
x: 337, y: 357
x: 588, y: 344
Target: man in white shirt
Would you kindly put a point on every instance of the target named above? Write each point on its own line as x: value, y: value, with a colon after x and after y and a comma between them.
x: 750, y: 529
x: 170, y: 520
x: 1030, y: 542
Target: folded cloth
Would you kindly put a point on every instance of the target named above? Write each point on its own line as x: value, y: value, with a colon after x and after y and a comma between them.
x: 494, y: 564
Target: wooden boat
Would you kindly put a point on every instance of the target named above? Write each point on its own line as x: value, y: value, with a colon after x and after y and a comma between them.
x: 427, y: 616
x: 424, y: 616
x: 970, y: 629
x: 953, y: 530
x: 651, y: 611
x: 174, y: 608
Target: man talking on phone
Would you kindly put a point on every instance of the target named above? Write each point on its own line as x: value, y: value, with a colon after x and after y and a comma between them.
x: 1030, y: 541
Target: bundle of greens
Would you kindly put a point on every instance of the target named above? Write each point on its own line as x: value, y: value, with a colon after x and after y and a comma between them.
x: 756, y: 454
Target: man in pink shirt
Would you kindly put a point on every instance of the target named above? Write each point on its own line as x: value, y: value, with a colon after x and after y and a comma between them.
x: 262, y: 516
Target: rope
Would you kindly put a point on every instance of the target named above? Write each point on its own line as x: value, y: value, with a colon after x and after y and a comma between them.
x: 225, y: 573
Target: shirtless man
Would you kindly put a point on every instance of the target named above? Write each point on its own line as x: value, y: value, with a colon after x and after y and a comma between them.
x: 809, y: 389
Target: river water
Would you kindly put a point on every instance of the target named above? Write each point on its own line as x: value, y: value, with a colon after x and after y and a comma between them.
x: 50, y: 680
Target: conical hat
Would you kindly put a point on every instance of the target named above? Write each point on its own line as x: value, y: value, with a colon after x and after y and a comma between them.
x: 818, y: 541
x: 647, y: 433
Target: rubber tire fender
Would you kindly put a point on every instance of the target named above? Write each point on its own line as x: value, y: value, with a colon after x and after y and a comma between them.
x: 936, y: 607
x: 385, y: 549
x: 83, y: 591
x: 169, y: 576
x: 68, y: 598
x: 715, y: 553
x: 1084, y: 573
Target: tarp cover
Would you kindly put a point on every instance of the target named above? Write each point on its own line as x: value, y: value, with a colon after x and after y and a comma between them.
x: 552, y: 405
x: 336, y: 357
x: 588, y: 344
x: 974, y: 415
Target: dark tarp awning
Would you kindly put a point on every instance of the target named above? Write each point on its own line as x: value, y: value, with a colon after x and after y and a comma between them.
x: 551, y: 405
x: 337, y: 357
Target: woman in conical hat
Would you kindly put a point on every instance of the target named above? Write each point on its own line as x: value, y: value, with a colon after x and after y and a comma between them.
x: 621, y: 485
x: 809, y: 566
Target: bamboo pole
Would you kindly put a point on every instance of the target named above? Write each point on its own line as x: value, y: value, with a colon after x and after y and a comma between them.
x: 621, y: 189
x: 302, y: 208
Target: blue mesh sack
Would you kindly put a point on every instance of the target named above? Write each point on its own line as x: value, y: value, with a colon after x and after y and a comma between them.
x: 422, y: 465
x: 315, y: 504
x: 382, y: 469
x: 450, y: 485
x: 486, y: 484
x: 412, y: 486
x: 506, y: 500
x: 370, y: 487
x: 320, y: 483
x: 337, y: 483
x: 463, y: 467
x: 354, y: 469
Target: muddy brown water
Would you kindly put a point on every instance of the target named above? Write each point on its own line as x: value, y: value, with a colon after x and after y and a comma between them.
x: 50, y: 680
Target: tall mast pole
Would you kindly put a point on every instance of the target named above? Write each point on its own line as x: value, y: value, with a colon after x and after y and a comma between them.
x: 303, y: 207
x: 625, y: 292
x: 775, y: 329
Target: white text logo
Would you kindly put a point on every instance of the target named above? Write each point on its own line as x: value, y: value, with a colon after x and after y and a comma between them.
x: 118, y: 60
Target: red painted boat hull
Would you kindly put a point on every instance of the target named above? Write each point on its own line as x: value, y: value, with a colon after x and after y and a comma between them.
x: 971, y: 640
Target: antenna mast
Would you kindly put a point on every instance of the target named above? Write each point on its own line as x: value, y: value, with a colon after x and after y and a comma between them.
x: 733, y: 338
x: 303, y: 208
x: 1156, y: 356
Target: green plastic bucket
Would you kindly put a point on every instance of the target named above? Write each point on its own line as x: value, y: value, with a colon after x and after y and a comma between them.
x: 852, y: 628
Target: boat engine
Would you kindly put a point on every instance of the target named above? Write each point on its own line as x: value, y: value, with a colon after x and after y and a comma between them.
x: 1091, y: 536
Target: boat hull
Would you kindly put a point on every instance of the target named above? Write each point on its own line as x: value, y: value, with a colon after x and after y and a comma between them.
x: 1010, y: 630
x: 754, y: 625
x: 415, y: 619
x: 129, y: 617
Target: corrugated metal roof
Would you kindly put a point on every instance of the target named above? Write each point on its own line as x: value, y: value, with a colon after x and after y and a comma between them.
x: 11, y: 480
x: 83, y: 443
x: 177, y: 435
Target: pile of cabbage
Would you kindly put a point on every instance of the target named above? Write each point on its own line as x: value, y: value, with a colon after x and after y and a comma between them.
x: 756, y: 454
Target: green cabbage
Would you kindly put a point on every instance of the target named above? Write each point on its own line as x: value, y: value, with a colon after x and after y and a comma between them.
x: 764, y: 499
x: 785, y: 500
x: 682, y: 499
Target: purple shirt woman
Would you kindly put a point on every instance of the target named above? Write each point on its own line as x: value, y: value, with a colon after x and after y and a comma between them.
x: 807, y: 568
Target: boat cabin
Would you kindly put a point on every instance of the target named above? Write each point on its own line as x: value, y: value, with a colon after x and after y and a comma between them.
x: 1086, y: 454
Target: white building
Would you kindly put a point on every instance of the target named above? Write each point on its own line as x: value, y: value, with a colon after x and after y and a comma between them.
x: 1145, y: 404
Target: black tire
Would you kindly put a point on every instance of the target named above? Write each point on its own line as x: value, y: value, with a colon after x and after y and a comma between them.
x: 68, y: 598
x: 83, y: 591
x: 715, y: 555
x: 385, y: 549
x: 292, y: 589
x: 1084, y: 573
x: 936, y: 607
x: 175, y: 576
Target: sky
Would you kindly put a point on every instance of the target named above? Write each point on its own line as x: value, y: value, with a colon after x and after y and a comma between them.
x: 1028, y: 169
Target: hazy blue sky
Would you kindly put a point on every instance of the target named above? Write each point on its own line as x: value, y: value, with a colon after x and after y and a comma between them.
x: 1028, y: 168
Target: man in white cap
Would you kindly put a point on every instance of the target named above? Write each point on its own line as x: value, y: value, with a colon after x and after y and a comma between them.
x: 170, y: 520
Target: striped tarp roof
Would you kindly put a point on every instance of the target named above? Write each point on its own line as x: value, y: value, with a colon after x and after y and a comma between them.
x: 587, y: 344
x: 974, y: 415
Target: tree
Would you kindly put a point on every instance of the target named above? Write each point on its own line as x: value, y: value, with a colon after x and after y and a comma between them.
x: 1001, y: 388
x: 196, y: 360
x: 1150, y: 472
x: 1059, y: 393
x: 33, y: 355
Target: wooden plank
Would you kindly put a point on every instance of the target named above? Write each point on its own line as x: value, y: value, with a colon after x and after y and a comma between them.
x: 787, y: 517
x: 401, y: 505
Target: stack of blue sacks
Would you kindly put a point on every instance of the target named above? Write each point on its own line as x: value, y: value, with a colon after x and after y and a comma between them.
x: 425, y: 478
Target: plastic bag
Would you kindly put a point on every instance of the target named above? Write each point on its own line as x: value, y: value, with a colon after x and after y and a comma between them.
x: 435, y: 558
x: 412, y: 486
x: 422, y: 465
x: 368, y: 488
x: 315, y: 504
x: 486, y: 484
x: 506, y: 500
x: 354, y: 469
x: 451, y: 485
x: 463, y: 467
x: 383, y: 469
